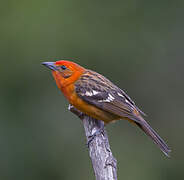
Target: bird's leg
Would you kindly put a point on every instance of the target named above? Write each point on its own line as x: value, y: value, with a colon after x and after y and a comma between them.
x: 76, y: 111
x: 96, y: 132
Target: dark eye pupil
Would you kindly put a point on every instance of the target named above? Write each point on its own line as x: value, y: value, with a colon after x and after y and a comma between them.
x: 63, y: 67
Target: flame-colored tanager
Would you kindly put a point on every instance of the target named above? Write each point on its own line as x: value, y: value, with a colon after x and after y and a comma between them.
x: 96, y: 96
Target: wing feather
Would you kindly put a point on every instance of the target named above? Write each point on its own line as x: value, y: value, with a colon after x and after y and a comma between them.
x: 100, y: 92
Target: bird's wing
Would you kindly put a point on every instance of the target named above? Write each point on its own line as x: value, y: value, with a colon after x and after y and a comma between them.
x: 100, y: 92
x: 96, y: 90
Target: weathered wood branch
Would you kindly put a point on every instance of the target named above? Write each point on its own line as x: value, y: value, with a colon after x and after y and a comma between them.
x: 104, y: 164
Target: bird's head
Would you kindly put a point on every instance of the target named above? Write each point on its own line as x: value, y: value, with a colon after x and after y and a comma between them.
x: 64, y: 72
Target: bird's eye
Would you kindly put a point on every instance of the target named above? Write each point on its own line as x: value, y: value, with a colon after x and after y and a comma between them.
x: 63, y: 67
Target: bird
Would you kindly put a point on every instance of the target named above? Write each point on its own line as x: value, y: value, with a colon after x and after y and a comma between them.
x: 96, y: 96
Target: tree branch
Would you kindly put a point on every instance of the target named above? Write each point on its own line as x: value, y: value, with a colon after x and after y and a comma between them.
x: 104, y: 164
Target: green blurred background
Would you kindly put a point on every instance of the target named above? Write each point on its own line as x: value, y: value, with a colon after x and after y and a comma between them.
x: 136, y: 44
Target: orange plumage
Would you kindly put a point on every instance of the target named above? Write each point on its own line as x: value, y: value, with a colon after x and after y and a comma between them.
x: 96, y: 96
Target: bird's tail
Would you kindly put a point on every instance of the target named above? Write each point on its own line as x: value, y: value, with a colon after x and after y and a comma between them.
x: 154, y: 136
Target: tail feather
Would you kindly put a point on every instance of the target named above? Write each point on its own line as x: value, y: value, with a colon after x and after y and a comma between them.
x: 155, y: 137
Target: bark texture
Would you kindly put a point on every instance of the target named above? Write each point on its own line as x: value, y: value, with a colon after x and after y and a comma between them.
x: 104, y: 164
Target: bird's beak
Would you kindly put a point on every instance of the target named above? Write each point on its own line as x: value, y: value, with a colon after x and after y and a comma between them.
x: 50, y: 65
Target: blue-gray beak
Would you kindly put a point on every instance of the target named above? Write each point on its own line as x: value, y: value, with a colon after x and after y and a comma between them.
x: 50, y: 65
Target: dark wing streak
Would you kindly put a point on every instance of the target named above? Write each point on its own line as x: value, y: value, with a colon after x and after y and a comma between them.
x: 115, y: 107
x: 131, y: 101
x: 102, y: 81
x: 121, y: 110
x: 93, y: 99
x: 120, y: 106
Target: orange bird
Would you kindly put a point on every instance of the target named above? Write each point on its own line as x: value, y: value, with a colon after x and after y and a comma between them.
x: 96, y: 96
